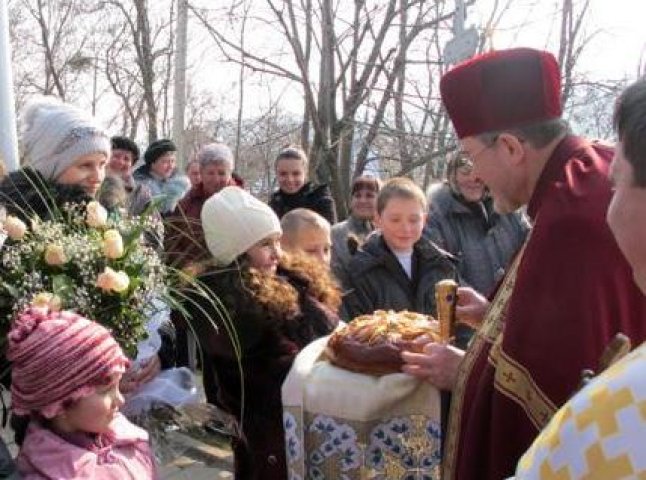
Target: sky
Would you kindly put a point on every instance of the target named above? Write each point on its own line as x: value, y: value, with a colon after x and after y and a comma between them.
x: 617, y: 43
x: 617, y: 28
x: 621, y: 41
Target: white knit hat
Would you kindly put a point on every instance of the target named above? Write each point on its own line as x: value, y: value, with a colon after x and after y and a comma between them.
x: 234, y: 221
x: 56, y: 134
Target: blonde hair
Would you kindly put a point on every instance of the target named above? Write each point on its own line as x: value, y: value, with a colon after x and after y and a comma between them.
x: 400, y: 187
x: 299, y: 219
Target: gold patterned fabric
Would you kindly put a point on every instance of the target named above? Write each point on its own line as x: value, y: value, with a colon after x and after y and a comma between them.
x: 345, y: 425
x: 488, y: 337
x: 600, y: 433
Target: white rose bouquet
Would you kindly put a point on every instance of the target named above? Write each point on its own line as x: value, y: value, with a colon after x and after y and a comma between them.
x: 87, y: 262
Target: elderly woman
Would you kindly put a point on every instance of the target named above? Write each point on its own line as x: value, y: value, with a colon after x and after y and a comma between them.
x: 462, y: 221
x: 159, y: 173
x: 185, y: 246
x: 184, y: 236
x: 119, y: 189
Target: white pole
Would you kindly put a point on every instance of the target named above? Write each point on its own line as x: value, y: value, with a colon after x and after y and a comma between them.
x: 8, y: 135
x: 179, y: 99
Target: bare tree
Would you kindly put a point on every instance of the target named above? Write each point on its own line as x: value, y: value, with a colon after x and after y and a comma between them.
x: 572, y: 41
x: 367, y: 70
x: 361, y: 52
x: 47, y: 31
x: 151, y: 55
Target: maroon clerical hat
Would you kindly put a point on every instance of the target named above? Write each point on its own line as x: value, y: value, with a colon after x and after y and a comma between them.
x: 502, y: 89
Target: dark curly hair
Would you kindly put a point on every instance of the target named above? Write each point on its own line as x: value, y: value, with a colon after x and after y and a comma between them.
x: 279, y: 297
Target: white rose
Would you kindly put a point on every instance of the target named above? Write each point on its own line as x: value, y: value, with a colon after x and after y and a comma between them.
x: 112, y: 281
x: 95, y: 215
x: 15, y: 227
x: 47, y: 300
x: 55, y: 255
x: 112, y: 244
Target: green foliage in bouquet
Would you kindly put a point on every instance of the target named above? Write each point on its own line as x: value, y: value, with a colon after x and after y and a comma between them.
x: 82, y: 260
x: 103, y: 266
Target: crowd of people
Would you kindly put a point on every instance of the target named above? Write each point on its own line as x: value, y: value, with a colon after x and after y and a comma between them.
x: 541, y: 229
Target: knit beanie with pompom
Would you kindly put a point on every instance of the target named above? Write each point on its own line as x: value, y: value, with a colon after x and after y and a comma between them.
x: 57, y: 358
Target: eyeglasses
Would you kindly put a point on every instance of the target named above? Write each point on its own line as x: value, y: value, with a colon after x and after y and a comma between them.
x: 473, y: 156
x: 465, y: 169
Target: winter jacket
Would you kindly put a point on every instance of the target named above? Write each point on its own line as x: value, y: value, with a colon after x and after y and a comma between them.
x: 378, y: 280
x: 317, y: 198
x: 25, y: 193
x: 128, y: 195
x: 267, y: 347
x: 184, y: 242
x: 121, y: 200
x: 121, y: 454
x: 184, y: 245
x: 167, y: 191
x: 341, y: 255
x: 482, y: 240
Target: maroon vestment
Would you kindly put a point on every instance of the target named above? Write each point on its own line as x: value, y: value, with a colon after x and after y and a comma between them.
x: 573, y: 292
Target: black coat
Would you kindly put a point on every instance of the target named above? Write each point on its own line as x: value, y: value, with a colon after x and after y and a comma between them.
x: 378, y: 281
x: 26, y: 193
x: 267, y: 347
x: 317, y: 198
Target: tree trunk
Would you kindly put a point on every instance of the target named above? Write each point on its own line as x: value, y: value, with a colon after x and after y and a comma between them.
x: 399, y: 90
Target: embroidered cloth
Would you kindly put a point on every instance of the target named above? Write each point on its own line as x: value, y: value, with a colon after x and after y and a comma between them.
x: 345, y: 425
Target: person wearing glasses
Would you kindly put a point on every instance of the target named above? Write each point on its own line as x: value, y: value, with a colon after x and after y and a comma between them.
x: 569, y: 290
x: 462, y: 221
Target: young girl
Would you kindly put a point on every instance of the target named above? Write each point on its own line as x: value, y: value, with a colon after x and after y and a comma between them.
x: 295, y: 191
x: 65, y: 375
x: 274, y: 305
x: 65, y: 153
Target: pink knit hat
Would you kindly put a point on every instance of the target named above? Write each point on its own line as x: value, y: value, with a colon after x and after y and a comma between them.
x: 58, y: 357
